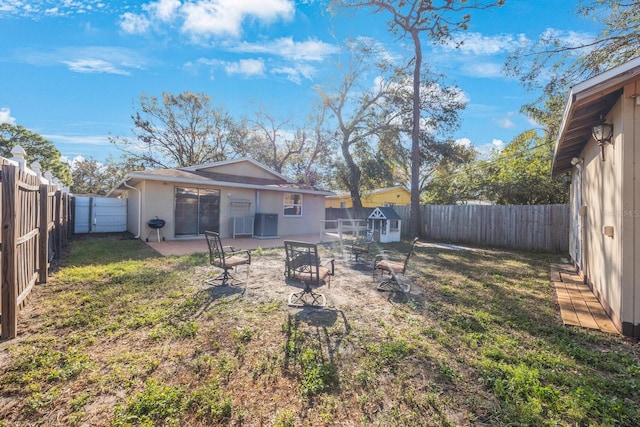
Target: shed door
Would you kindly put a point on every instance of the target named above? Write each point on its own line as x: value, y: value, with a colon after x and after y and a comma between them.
x: 196, y: 210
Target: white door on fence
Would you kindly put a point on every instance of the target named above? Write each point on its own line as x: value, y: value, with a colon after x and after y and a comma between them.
x: 100, y: 215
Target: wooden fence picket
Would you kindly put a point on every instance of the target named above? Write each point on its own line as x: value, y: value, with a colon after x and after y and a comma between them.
x: 34, y: 226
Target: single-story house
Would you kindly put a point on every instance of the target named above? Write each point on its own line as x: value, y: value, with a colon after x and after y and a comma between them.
x: 236, y: 198
x: 397, y: 195
x: 598, y: 147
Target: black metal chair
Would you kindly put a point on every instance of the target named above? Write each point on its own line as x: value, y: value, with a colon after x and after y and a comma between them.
x: 384, y: 264
x: 303, y: 265
x: 361, y: 248
x: 225, y: 259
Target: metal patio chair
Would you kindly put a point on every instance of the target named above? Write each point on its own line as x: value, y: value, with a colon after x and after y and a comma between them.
x: 226, y: 258
x: 394, y: 267
x: 361, y: 248
x: 302, y: 264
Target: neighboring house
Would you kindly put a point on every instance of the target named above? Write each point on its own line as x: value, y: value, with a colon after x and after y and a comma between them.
x: 390, y: 196
x: 235, y: 198
x: 605, y: 194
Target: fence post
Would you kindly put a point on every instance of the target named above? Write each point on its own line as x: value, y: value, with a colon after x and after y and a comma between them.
x: 9, y: 258
x: 58, y: 226
x: 43, y: 241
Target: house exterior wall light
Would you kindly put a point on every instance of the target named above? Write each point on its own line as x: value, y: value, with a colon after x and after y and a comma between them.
x: 602, y: 133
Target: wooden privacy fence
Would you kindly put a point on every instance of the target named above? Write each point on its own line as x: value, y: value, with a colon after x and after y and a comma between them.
x: 35, y: 217
x: 526, y: 227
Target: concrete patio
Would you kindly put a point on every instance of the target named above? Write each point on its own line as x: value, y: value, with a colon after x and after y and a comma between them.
x: 190, y: 246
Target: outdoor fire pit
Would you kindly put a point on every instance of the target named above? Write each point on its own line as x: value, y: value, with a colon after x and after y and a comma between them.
x: 155, y: 224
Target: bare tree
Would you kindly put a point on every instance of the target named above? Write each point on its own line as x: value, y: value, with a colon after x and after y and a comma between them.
x: 93, y: 177
x: 273, y: 142
x: 362, y: 114
x: 179, y: 131
x: 300, y: 151
x: 412, y: 18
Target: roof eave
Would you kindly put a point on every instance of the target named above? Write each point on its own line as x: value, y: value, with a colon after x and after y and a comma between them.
x: 121, y: 187
x: 588, y: 101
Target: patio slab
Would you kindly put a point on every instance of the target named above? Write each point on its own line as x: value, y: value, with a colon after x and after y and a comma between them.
x: 197, y: 245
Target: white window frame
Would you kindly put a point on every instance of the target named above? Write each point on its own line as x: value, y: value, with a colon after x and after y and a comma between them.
x: 291, y: 205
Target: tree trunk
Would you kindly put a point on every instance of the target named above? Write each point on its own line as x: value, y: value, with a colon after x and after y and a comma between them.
x: 354, y: 171
x: 414, y: 220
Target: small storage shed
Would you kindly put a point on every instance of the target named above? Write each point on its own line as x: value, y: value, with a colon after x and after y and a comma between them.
x: 384, y: 225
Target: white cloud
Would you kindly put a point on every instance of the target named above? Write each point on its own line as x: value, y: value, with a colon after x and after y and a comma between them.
x: 90, y: 66
x: 134, y: 24
x: 246, y: 67
x: 37, y: 8
x: 297, y: 72
x: 79, y: 139
x: 163, y: 10
x: 568, y: 38
x: 497, y: 143
x: 91, y: 59
x: 484, y: 69
x: 310, y: 50
x: 505, y: 122
x: 465, y: 142
x: 202, y: 19
x: 479, y: 44
x: 225, y: 17
x: 5, y: 116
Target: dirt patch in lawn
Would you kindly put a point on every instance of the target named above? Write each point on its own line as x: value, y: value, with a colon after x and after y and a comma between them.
x: 96, y: 348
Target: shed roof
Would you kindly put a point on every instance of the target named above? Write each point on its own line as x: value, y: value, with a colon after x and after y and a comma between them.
x: 588, y: 101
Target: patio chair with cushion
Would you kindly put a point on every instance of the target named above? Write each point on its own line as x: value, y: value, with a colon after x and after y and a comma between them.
x: 361, y: 248
x: 384, y: 264
x: 302, y: 264
x: 226, y: 258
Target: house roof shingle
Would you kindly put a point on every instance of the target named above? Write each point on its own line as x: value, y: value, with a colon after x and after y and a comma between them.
x: 197, y: 175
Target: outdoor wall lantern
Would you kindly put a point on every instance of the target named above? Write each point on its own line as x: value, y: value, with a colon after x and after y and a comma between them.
x: 602, y: 133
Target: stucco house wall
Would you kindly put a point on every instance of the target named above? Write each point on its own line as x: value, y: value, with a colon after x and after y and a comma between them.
x: 602, y: 200
x: 605, y: 194
x: 245, y: 188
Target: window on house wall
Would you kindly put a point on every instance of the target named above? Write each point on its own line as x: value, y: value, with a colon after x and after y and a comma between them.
x: 292, y: 204
x: 343, y: 204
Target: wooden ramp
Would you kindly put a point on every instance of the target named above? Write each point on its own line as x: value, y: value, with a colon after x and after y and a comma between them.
x: 578, y: 305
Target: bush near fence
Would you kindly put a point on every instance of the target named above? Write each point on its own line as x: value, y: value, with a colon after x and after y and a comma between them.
x: 522, y: 227
x: 35, y: 218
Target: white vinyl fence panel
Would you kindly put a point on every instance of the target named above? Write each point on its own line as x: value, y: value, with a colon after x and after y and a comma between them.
x: 100, y: 215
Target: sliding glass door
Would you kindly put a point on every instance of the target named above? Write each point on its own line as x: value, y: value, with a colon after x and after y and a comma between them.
x: 196, y: 210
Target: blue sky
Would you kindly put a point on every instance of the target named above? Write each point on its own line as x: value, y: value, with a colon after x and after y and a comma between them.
x: 73, y: 70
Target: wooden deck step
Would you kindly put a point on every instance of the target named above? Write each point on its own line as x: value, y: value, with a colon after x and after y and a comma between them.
x: 578, y: 305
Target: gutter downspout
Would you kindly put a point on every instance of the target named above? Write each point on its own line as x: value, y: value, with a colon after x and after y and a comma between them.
x: 139, y: 208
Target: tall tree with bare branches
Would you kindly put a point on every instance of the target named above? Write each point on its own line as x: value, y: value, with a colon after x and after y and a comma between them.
x: 438, y: 19
x: 364, y: 114
x: 180, y: 130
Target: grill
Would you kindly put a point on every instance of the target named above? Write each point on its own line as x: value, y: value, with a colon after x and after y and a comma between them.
x: 155, y: 224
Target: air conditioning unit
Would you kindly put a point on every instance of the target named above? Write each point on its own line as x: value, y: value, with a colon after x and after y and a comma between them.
x: 266, y: 225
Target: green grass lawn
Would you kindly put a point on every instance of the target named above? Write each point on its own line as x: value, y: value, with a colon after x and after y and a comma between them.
x: 123, y: 337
